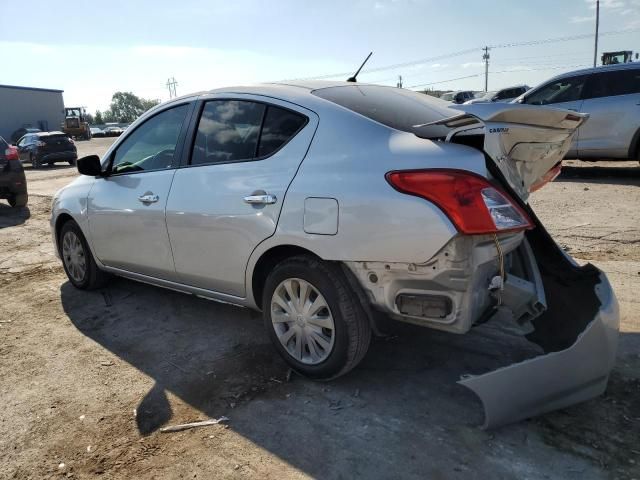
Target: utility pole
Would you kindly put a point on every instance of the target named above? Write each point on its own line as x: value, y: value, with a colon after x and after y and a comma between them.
x: 485, y: 57
x: 595, y: 50
x: 171, y: 85
x: 399, y: 84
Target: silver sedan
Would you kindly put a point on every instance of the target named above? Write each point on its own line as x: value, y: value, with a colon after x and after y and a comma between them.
x: 330, y: 205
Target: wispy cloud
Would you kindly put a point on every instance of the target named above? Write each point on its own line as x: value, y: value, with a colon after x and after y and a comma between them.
x: 578, y: 19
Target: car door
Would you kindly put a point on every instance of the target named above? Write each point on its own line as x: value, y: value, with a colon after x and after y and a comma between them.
x: 23, y: 145
x: 561, y: 93
x: 612, y: 100
x: 127, y: 207
x: 227, y: 199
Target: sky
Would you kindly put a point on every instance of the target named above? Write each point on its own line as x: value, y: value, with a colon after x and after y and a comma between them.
x: 95, y: 48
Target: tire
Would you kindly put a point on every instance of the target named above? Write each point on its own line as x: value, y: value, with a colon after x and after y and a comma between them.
x: 347, y: 343
x: 90, y: 277
x: 18, y: 200
x: 35, y: 163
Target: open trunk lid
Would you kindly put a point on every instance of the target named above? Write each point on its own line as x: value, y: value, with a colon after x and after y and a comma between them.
x: 524, y: 141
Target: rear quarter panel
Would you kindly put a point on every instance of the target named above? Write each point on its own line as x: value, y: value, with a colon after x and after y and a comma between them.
x: 347, y: 161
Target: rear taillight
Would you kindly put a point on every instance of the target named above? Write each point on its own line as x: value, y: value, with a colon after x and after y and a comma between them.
x: 11, y: 153
x: 472, y: 203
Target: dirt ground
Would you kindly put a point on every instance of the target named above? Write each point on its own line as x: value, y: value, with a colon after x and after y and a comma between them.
x: 87, y: 379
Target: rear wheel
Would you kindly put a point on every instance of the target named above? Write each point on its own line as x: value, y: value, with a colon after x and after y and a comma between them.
x: 18, y: 200
x: 314, y: 319
x: 77, y: 260
x: 35, y: 162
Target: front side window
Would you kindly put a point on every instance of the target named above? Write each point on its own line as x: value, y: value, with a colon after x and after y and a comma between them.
x: 152, y: 145
x: 565, y: 90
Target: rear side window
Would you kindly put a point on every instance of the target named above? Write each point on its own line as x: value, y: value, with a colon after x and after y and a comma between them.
x: 609, y: 84
x: 238, y: 130
x: 279, y: 127
x: 228, y: 131
x: 394, y: 107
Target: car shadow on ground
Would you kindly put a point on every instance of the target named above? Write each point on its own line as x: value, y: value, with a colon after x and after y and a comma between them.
x: 601, y: 174
x: 376, y: 421
x: 11, y: 217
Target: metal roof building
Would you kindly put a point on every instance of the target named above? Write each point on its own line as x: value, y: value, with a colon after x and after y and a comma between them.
x: 41, y: 108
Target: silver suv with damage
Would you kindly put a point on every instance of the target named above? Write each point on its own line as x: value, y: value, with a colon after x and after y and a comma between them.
x: 328, y: 205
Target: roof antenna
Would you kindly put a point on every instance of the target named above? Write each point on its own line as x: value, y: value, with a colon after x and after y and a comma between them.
x: 353, y: 79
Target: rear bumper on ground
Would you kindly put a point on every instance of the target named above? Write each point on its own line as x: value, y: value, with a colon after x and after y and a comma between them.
x: 558, y: 379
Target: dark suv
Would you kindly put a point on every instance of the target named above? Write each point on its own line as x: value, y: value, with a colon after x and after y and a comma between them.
x: 13, y: 184
x: 47, y: 147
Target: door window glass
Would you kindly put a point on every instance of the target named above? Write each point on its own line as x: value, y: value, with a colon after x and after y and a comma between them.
x: 228, y: 131
x: 565, y: 90
x: 279, y: 127
x: 626, y: 82
x: 152, y: 145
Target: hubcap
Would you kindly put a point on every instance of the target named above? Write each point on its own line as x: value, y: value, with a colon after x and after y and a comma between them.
x: 302, y: 321
x: 73, y: 256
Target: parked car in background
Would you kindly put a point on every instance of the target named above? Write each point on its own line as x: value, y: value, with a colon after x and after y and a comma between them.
x: 112, y: 131
x: 13, y: 184
x: 21, y: 132
x: 326, y: 204
x: 97, y: 132
x: 611, y: 96
x: 458, y: 97
x: 503, y: 95
x: 47, y: 148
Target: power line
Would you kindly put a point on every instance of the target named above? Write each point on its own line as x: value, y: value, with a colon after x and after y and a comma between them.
x: 472, y: 50
x: 475, y: 75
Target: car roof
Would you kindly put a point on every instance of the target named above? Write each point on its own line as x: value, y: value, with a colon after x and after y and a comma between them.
x: 46, y: 134
x: 601, y: 68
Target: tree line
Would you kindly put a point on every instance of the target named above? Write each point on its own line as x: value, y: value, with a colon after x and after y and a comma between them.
x: 125, y: 108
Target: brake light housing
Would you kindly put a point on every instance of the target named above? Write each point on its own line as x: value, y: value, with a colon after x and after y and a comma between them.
x: 473, y: 204
x: 11, y: 153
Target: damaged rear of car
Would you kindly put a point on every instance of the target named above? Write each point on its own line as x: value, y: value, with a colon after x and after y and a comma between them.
x: 503, y: 265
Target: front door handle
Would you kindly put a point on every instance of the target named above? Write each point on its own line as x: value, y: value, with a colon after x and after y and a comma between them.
x: 148, y: 198
x: 265, y: 199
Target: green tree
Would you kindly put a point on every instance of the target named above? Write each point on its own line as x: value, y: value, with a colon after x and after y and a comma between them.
x: 126, y: 107
x: 98, y: 118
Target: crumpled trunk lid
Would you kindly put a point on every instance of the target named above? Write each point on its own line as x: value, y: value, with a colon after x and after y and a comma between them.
x: 524, y: 141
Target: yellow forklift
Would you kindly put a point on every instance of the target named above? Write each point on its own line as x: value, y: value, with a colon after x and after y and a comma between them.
x: 75, y: 123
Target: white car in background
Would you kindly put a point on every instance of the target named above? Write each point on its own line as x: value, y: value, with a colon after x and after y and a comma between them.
x: 503, y: 95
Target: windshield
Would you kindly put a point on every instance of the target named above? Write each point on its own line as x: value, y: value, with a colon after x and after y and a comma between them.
x: 394, y: 107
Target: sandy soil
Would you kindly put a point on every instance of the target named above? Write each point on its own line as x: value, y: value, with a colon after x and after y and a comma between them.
x: 87, y: 379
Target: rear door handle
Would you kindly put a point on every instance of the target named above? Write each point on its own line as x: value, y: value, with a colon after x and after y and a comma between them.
x: 148, y: 198
x: 265, y: 199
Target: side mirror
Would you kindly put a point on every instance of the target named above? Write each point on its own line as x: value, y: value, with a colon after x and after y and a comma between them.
x: 90, y: 165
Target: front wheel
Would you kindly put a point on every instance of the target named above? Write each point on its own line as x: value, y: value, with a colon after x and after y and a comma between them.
x: 314, y: 319
x: 35, y: 162
x: 77, y: 260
